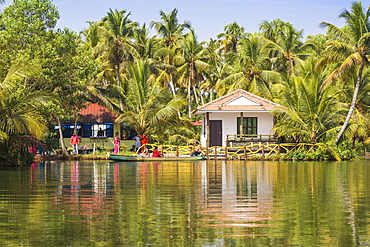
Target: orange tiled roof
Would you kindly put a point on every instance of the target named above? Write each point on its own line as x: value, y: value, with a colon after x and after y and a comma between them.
x: 197, y: 123
x: 96, y: 113
x: 239, y: 100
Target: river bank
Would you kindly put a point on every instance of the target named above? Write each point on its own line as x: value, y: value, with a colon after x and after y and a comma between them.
x: 71, y: 157
x: 39, y: 158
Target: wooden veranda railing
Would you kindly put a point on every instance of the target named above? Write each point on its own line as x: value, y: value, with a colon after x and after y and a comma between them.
x: 242, y: 152
x: 238, y: 139
x: 259, y: 150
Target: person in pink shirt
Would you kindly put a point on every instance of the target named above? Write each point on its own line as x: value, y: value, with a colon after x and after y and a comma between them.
x: 116, y: 144
x: 75, y: 141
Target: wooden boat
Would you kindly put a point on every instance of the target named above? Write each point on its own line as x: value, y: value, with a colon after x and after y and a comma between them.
x: 118, y: 157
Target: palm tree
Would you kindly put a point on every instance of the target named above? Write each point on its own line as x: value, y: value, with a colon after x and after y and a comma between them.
x: 233, y: 33
x: 166, y: 63
x: 358, y: 125
x: 117, y: 48
x: 19, y: 106
x: 92, y: 34
x: 350, y: 51
x: 218, y: 69
x: 169, y: 28
x: 285, y: 46
x: 310, y: 109
x: 148, y: 106
x: 314, y: 45
x: 251, y: 69
x: 272, y: 30
x: 214, y: 77
x: 145, y: 45
x: 20, y: 117
x: 192, y: 62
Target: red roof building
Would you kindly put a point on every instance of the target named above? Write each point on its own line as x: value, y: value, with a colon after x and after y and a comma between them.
x: 95, y: 113
x: 93, y: 121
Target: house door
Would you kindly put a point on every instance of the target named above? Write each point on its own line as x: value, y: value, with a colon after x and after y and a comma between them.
x: 215, y: 133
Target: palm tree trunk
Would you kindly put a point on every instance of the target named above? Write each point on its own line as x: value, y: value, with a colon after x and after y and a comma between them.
x: 75, y: 126
x: 189, y: 97
x: 119, y: 84
x: 353, y: 104
x: 201, y: 98
x: 172, y: 86
x: 195, y: 95
x: 61, y: 140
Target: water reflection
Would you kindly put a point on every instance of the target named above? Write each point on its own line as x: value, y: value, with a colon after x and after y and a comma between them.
x: 216, y: 203
x: 227, y: 200
x: 84, y: 195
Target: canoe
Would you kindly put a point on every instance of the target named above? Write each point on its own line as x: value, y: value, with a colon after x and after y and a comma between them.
x: 118, y: 157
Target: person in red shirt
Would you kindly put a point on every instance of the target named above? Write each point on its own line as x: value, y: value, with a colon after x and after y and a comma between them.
x: 74, y: 141
x: 144, y: 141
x: 156, y: 153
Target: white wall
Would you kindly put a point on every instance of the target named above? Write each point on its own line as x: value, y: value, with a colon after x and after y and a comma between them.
x: 265, y: 123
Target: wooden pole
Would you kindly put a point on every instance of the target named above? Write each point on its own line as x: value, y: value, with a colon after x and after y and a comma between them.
x: 94, y: 151
x: 207, y: 134
x: 241, y: 125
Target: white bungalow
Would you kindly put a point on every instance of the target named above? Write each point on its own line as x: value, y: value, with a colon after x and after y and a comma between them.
x: 222, y: 125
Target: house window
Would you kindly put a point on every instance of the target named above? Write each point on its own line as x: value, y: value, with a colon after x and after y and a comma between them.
x: 106, y: 129
x: 87, y: 130
x: 249, y: 125
x: 68, y: 130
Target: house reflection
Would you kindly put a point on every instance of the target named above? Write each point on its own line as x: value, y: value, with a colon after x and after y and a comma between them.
x: 224, y: 193
x: 234, y: 194
x: 75, y: 195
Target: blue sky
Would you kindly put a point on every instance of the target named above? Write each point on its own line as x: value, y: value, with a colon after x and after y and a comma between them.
x: 208, y: 17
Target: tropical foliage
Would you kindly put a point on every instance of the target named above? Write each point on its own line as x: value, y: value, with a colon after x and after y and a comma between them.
x: 148, y: 106
x: 310, y: 107
x: 154, y: 82
x: 20, y: 120
x: 350, y: 51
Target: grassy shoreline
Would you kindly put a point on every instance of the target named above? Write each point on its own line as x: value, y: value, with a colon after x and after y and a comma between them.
x: 71, y: 157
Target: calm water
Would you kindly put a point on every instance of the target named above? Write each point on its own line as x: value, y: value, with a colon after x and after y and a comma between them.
x: 204, y: 203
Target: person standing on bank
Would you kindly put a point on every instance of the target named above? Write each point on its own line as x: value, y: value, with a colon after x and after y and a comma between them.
x: 144, y: 141
x: 116, y: 143
x: 137, y: 142
x: 74, y: 141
